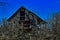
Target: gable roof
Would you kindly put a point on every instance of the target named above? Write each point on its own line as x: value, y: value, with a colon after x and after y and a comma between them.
x: 25, y: 9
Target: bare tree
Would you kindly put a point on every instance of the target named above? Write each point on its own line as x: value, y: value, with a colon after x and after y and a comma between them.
x: 54, y: 24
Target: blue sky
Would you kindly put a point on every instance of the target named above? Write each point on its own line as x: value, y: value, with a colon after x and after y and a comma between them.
x: 42, y: 8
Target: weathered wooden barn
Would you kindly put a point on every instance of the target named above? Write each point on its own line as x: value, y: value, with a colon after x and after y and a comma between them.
x: 24, y: 25
x: 26, y: 19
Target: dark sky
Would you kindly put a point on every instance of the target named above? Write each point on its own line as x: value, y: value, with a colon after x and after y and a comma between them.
x: 42, y: 8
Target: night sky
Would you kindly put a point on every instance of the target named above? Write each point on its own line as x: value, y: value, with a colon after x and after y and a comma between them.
x: 42, y: 8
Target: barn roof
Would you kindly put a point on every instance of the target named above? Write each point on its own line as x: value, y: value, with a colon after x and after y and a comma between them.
x: 25, y: 9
